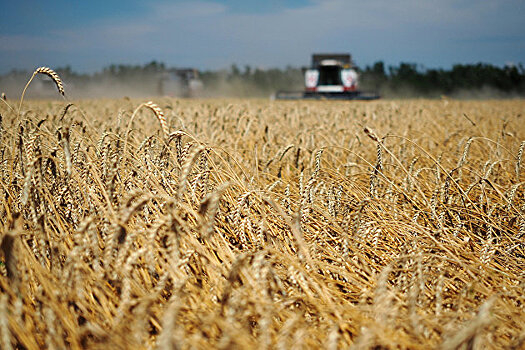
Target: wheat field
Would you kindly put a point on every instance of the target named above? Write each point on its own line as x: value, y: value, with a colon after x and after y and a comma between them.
x: 255, y: 224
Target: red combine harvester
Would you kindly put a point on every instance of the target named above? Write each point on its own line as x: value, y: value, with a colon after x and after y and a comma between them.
x: 330, y: 77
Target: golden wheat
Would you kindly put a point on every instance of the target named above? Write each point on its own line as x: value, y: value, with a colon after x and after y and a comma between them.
x: 160, y: 116
x: 261, y: 224
x: 50, y: 73
x: 54, y: 76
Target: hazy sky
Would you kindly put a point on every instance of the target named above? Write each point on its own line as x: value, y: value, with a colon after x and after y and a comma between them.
x: 89, y: 35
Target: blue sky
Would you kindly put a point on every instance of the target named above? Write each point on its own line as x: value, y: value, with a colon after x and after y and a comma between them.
x: 208, y: 34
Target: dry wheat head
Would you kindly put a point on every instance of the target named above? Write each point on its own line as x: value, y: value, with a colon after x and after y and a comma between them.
x: 53, y: 75
x: 160, y: 115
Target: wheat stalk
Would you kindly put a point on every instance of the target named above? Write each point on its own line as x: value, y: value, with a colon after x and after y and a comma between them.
x: 472, y: 329
x: 518, y: 160
x: 5, y: 334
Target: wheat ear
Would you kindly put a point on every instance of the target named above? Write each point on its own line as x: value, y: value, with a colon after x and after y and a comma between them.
x: 158, y: 113
x: 53, y: 75
x: 160, y: 116
x: 50, y: 73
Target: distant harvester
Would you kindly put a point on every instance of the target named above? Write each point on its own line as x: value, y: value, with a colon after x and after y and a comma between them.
x: 181, y: 82
x: 331, y: 76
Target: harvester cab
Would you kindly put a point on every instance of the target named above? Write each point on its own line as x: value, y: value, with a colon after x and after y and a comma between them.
x: 330, y: 76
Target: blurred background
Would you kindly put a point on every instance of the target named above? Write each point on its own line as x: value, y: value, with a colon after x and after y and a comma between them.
x: 407, y: 48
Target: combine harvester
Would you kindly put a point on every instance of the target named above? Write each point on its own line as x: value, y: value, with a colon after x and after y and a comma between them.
x: 180, y: 82
x: 331, y: 77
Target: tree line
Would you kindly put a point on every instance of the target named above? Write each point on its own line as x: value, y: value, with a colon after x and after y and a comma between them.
x: 417, y: 81
x: 405, y: 79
